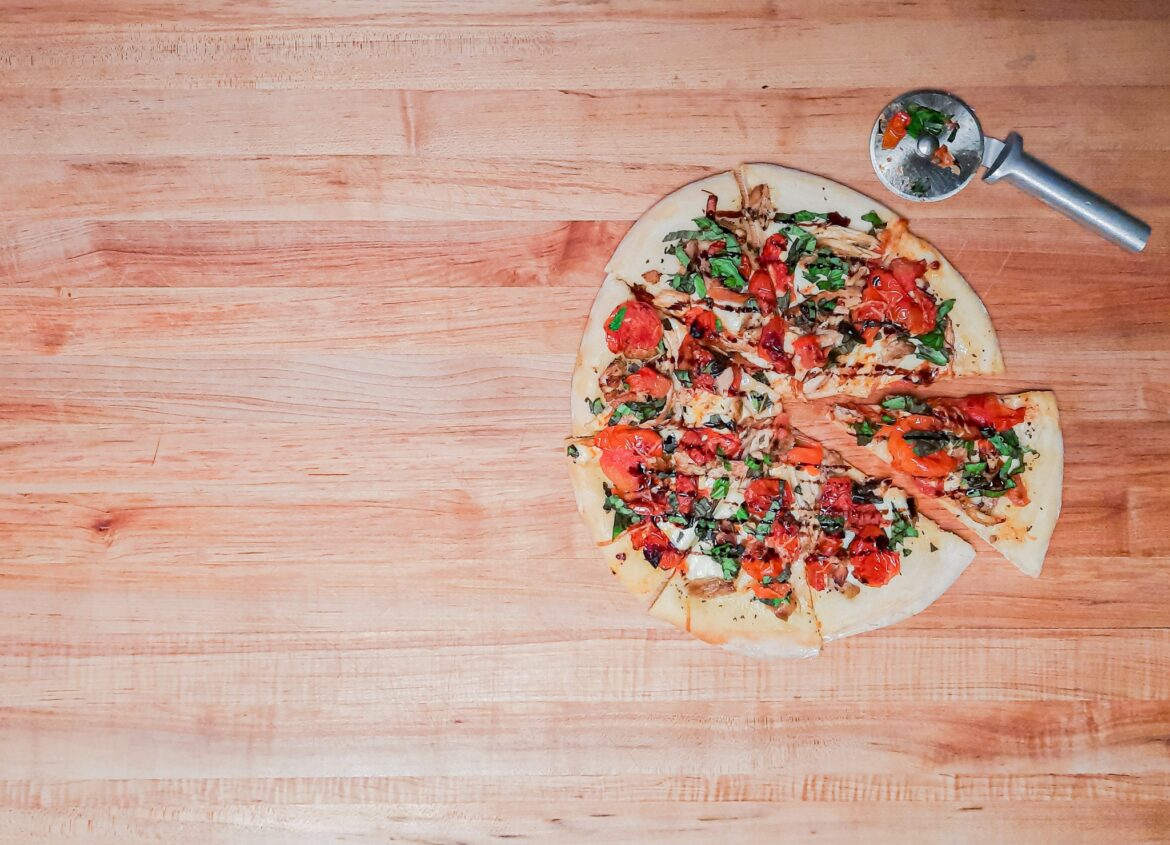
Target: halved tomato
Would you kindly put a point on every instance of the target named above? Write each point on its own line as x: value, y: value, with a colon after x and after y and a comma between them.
x: 633, y: 329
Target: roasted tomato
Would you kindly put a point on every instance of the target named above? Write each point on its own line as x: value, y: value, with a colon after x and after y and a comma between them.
x: 895, y: 129
x: 862, y: 515
x: 985, y: 410
x: 624, y: 450
x: 819, y: 570
x: 809, y: 352
x: 902, y: 455
x: 701, y: 323
x: 649, y: 382
x: 774, y: 590
x: 704, y: 445
x: 633, y: 329
x: 784, y: 539
x: 686, y: 489
x: 836, y: 496
x: 1018, y: 495
x: 700, y: 362
x: 649, y: 539
x: 811, y: 454
x: 892, y: 296
x: 761, y: 287
x: 762, y: 563
x: 760, y: 494
x: 772, y: 345
x: 870, y: 556
x: 773, y: 250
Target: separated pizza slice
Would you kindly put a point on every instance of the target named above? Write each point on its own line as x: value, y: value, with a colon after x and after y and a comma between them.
x: 997, y: 462
x: 876, y: 560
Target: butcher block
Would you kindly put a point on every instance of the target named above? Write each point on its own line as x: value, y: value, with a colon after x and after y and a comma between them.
x: 290, y: 295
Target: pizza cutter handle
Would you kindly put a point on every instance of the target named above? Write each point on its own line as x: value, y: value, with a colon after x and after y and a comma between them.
x: 1073, y: 200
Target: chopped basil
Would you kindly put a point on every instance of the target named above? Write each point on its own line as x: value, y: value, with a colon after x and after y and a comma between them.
x: 762, y: 377
x: 905, y: 402
x: 926, y: 442
x: 573, y: 451
x: 831, y: 524
x: 934, y: 356
x: 623, y: 517
x: 919, y: 188
x: 827, y: 305
x: 684, y: 260
x: 777, y: 602
x: 765, y: 526
x: 874, y: 220
x: 684, y: 282
x: 703, y: 508
x: 804, y: 216
x: 596, y: 406
x: 700, y: 287
x: 799, y: 242
x: 642, y: 411
x: 616, y: 322
x: 760, y: 401
x: 728, y: 271
x: 720, y: 488
x: 864, y: 431
x: 827, y: 272
x: 784, y: 302
x: 706, y: 230
x: 900, y: 530
x: 741, y: 514
x: 975, y: 468
x: 684, y: 377
x: 927, y: 120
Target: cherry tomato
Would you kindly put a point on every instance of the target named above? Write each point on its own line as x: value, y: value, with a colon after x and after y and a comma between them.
x: 760, y: 494
x: 986, y: 410
x: 812, y: 454
x: 700, y: 323
x: 649, y: 539
x: 902, y: 455
x: 809, y: 351
x: 772, y: 345
x: 774, y: 590
x: 762, y: 564
x: 781, y: 277
x: 703, y: 445
x: 686, y: 490
x: 895, y: 129
x: 872, y: 561
x: 817, y: 570
x: 1018, y: 495
x: 893, y: 296
x: 633, y: 329
x: 773, y: 250
x: 624, y: 449
x: 700, y: 362
x: 784, y: 539
x: 649, y: 382
x: 866, y: 514
x: 836, y: 495
x: 760, y: 286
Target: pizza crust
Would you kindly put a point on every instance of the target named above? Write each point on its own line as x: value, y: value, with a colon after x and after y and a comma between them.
x: 739, y: 623
x: 925, y: 576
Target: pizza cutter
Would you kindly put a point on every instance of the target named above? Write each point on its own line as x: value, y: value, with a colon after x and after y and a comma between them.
x: 916, y: 169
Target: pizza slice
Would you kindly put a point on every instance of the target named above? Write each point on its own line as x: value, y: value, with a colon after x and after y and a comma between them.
x: 997, y: 462
x: 875, y: 559
x: 810, y: 280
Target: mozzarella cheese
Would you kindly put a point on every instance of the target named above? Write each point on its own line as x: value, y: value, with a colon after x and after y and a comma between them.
x: 701, y: 566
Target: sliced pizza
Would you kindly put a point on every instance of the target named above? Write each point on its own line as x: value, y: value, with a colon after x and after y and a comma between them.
x: 808, y: 279
x: 997, y: 462
x: 876, y: 560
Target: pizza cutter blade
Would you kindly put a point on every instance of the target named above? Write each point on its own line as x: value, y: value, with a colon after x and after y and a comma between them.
x: 916, y: 170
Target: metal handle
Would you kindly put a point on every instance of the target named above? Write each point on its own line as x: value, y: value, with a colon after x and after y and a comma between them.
x: 1066, y: 196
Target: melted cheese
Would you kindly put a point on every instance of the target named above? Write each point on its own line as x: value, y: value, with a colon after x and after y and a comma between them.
x: 701, y: 566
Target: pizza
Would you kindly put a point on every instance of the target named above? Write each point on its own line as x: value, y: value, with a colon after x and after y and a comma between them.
x: 997, y: 462
x: 729, y: 299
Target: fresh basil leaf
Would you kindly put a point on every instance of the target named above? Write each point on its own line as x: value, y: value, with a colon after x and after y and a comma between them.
x: 975, y: 468
x: 831, y: 524
x: 803, y: 216
x: 720, y: 488
x: 700, y: 287
x: 799, y: 243
x: 573, y: 451
x: 741, y: 514
x: 926, y: 120
x: 874, y: 220
x: 684, y: 377
x: 864, y: 431
x: 934, y: 356
x: 762, y: 377
x: 944, y: 308
x: 905, y: 402
x: 618, y: 317
x: 728, y: 271
x: 900, y: 530
x: 827, y: 272
x: 683, y: 282
x: 596, y: 406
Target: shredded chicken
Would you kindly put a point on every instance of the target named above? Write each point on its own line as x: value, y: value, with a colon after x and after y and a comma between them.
x: 845, y: 241
x: 709, y: 588
x: 977, y: 514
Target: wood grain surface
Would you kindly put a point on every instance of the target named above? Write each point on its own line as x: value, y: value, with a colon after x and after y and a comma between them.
x: 291, y: 295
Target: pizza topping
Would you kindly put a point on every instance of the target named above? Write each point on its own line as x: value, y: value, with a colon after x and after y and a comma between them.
x: 763, y: 290
x: 985, y: 411
x: 771, y: 346
x: 701, y: 323
x: 893, y: 296
x: 624, y: 453
x: 763, y: 492
x: 873, y: 563
x: 704, y: 445
x: 895, y: 129
x: 917, y: 445
x: 633, y: 329
x: 648, y: 538
x: 810, y: 454
x: 809, y: 352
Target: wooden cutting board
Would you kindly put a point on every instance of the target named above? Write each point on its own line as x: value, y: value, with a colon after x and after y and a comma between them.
x: 291, y: 291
